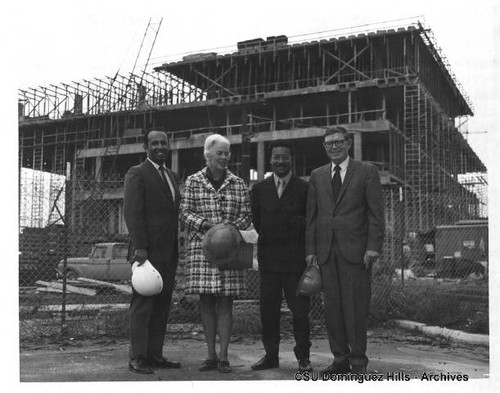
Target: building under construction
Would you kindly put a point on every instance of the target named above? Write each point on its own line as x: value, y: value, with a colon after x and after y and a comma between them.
x: 391, y: 88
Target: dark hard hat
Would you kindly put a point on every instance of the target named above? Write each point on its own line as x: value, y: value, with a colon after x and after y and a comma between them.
x: 221, y: 244
x: 310, y: 283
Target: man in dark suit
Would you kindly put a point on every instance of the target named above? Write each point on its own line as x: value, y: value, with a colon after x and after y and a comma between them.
x: 150, y: 208
x: 278, y: 209
x: 345, y: 229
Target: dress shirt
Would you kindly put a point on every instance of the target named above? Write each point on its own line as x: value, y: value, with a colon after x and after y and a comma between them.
x: 169, y: 181
x: 285, y: 179
x: 343, y: 169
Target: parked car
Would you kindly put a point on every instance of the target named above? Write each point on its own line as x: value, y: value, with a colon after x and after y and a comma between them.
x: 107, y: 262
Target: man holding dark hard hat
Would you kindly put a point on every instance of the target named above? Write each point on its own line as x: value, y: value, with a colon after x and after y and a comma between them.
x: 345, y: 231
x: 278, y: 210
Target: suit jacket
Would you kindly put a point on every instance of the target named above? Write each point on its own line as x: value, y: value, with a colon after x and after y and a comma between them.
x: 151, y: 214
x: 280, y: 223
x: 355, y: 220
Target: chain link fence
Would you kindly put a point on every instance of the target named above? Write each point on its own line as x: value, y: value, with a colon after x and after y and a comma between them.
x: 74, y: 277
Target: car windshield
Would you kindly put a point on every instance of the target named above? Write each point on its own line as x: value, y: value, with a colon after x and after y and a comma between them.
x: 120, y: 251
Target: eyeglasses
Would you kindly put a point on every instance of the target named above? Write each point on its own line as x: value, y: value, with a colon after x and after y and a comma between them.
x: 337, y: 143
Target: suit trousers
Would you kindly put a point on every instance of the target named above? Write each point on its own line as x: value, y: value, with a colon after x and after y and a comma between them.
x: 272, y: 287
x: 148, y: 321
x: 347, y: 293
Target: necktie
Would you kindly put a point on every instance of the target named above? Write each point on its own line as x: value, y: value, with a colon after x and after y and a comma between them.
x: 281, y: 187
x: 164, y: 177
x: 162, y: 174
x: 336, y: 182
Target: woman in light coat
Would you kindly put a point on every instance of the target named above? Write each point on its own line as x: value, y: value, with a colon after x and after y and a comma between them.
x: 212, y: 196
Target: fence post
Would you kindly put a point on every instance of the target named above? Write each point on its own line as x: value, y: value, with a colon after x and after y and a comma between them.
x: 67, y: 213
x: 402, y: 236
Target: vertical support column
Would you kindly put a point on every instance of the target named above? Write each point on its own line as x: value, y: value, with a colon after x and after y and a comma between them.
x: 174, y: 163
x: 20, y: 111
x: 98, y: 168
x: 357, y: 148
x: 384, y: 106
x: 273, y: 124
x: 349, y: 105
x: 122, y: 227
x: 113, y: 219
x: 261, y: 160
x: 228, y: 127
x: 245, y: 146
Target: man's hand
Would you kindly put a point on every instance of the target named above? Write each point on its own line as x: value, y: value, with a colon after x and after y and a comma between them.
x: 370, y: 257
x: 311, y: 259
x: 140, y: 255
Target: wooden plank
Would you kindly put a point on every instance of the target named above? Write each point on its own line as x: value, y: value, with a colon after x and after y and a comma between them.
x: 77, y: 307
x: 118, y: 287
x: 69, y: 288
x: 49, y: 289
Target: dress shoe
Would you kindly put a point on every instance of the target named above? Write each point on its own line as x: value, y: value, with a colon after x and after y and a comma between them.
x: 224, y: 366
x: 209, y: 364
x: 358, y: 369
x: 266, y: 363
x: 163, y: 363
x: 139, y: 366
x: 305, y: 365
x: 338, y: 368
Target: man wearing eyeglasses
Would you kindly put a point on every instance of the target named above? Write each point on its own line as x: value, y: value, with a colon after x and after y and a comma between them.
x: 345, y: 229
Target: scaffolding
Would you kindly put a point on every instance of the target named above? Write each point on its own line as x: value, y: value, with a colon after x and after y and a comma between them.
x: 390, y: 85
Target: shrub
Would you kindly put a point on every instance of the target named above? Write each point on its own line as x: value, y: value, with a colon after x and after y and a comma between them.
x: 447, y: 304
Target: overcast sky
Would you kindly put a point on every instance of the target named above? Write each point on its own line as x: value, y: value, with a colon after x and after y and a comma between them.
x: 48, y: 42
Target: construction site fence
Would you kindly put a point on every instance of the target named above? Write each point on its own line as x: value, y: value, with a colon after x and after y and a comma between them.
x: 436, y: 275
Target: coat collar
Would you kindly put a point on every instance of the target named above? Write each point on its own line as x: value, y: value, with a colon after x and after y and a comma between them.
x: 230, y: 178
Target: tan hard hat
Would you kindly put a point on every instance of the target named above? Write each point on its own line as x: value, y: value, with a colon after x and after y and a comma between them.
x: 221, y: 244
x: 310, y: 282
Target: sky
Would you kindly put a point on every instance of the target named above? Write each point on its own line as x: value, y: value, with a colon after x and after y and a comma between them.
x: 49, y: 42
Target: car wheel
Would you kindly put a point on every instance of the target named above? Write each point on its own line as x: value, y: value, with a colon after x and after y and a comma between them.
x: 71, y: 275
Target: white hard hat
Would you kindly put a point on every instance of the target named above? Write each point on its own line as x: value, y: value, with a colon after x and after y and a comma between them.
x: 145, y: 279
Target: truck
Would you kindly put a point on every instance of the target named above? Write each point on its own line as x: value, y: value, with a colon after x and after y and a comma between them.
x: 462, y: 248
x: 106, y: 262
x: 40, y: 250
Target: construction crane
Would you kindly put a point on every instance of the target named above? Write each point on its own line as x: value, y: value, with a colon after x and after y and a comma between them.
x: 112, y: 150
x: 152, y: 29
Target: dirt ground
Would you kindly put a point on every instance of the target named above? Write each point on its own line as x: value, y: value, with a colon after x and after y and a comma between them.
x: 392, y: 352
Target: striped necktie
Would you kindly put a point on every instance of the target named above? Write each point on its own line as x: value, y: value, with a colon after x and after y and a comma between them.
x: 163, y: 175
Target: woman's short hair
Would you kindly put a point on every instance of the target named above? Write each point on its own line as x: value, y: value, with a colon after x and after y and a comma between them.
x: 212, y: 140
